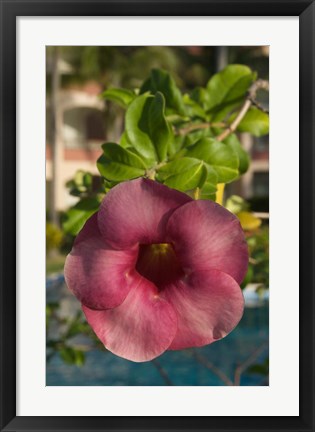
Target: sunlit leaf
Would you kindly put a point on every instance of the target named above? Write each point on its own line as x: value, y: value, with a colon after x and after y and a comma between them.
x: 209, y: 190
x: 124, y: 142
x: 243, y: 156
x: 226, y: 88
x: 193, y: 108
x: 122, y: 97
x: 118, y: 164
x: 183, y: 174
x: 162, y: 81
x: 236, y: 204
x: 218, y: 156
x: 147, y: 128
x: 255, y: 122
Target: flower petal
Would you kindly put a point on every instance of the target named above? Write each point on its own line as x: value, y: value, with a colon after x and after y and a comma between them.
x: 140, y: 329
x: 99, y: 276
x: 208, y: 305
x: 90, y: 229
x: 207, y: 236
x: 136, y: 212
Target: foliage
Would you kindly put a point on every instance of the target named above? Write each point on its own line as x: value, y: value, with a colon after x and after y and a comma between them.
x: 85, y: 185
x: 258, y: 244
x: 90, y: 189
x: 64, y: 343
x: 260, y: 368
x: 257, y: 240
x: 174, y: 138
x: 53, y: 237
x: 240, y: 208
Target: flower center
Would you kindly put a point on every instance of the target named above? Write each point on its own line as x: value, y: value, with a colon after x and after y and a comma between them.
x: 158, y: 263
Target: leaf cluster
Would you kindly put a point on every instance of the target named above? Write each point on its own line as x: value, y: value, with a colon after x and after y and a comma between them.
x: 64, y: 342
x: 258, y: 268
x: 173, y: 137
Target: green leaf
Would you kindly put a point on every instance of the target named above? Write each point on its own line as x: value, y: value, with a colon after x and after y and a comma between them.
x: 218, y: 156
x: 244, y: 159
x: 78, y: 177
x: 147, y: 128
x: 228, y: 86
x: 119, y: 164
x: 122, y: 97
x: 68, y: 355
x: 72, y: 356
x: 183, y: 174
x: 236, y: 204
x: 255, y: 122
x: 161, y: 81
x: 124, y: 142
x: 176, y: 145
x: 87, y: 180
x: 248, y: 277
x: 160, y: 131
x: 193, y: 108
x: 198, y: 95
x: 261, y: 369
x: 212, y: 180
x: 183, y: 141
x: 208, y: 191
x: 81, y: 184
x: 146, y: 162
x: 79, y: 214
x: 128, y: 146
x: 79, y: 358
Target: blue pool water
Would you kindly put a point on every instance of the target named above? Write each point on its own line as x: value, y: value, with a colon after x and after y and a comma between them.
x: 222, y: 363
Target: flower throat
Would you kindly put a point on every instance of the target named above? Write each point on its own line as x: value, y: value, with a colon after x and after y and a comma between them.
x: 158, y: 263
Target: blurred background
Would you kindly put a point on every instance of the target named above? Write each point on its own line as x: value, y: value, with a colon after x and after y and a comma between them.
x: 78, y: 121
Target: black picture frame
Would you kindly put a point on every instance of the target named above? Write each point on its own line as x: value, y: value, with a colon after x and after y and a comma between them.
x: 10, y: 10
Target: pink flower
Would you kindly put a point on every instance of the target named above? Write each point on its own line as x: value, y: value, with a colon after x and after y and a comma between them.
x: 156, y: 270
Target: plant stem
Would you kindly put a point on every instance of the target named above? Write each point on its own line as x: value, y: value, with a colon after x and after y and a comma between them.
x: 150, y: 173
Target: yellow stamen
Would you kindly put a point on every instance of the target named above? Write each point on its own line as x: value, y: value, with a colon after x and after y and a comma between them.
x: 160, y: 248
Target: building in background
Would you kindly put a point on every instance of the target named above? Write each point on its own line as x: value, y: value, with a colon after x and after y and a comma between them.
x: 80, y: 133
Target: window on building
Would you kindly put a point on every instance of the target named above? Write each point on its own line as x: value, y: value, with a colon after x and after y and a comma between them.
x: 83, y: 127
x: 95, y: 130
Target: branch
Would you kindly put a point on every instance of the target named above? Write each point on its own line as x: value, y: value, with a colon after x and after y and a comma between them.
x: 259, y: 106
x: 249, y: 101
x: 250, y: 360
x: 162, y: 372
x: 205, y: 362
